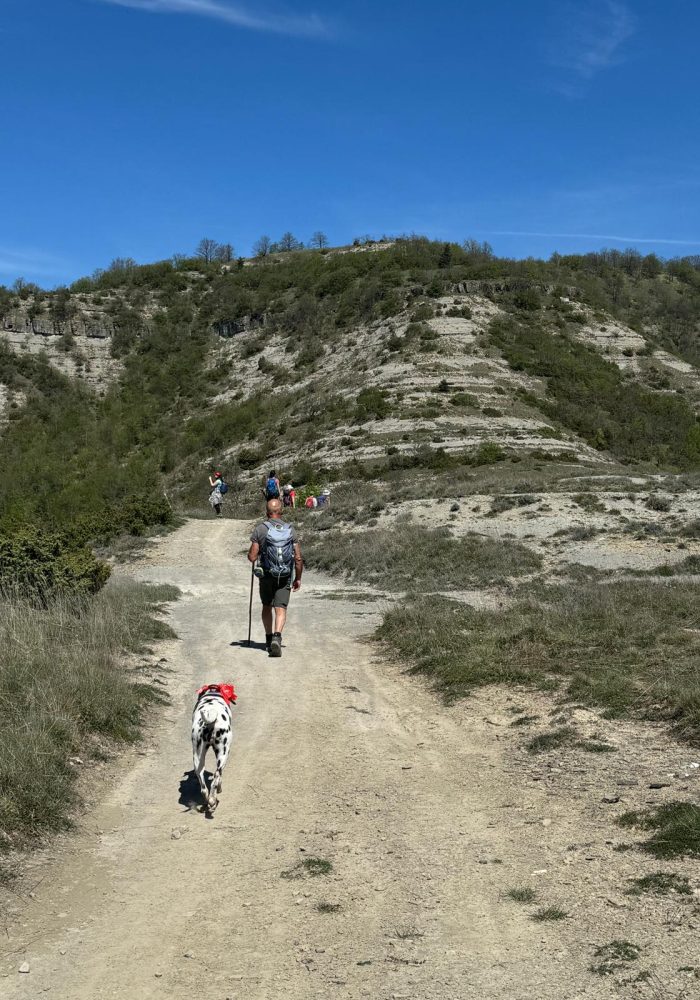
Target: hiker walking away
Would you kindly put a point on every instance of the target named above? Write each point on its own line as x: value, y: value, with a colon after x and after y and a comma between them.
x: 289, y: 496
x: 272, y: 486
x: 275, y: 545
x: 216, y: 494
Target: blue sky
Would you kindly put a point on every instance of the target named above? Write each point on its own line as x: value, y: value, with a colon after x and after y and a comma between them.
x: 134, y: 127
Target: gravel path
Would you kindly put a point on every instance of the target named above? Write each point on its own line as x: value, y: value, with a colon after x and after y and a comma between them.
x: 421, y: 813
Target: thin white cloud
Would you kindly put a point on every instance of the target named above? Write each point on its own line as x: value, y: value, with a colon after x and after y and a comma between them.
x: 32, y: 263
x: 592, y: 38
x: 629, y: 240
x: 310, y: 25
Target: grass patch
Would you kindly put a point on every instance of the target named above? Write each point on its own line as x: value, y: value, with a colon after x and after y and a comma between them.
x: 596, y: 746
x: 62, y: 680
x: 408, y: 557
x: 630, y: 647
x: 324, y: 907
x: 675, y: 826
x: 524, y: 720
x: 309, y: 866
x: 408, y: 934
x: 549, y: 913
x: 523, y: 895
x: 551, y: 741
x: 660, y: 884
x: 614, y: 956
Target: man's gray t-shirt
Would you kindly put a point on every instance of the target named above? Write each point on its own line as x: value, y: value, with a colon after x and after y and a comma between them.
x: 260, y: 533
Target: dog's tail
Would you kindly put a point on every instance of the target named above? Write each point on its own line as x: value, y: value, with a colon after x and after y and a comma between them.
x: 210, y: 713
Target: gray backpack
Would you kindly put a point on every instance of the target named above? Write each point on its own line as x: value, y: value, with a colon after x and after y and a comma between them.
x: 277, y: 550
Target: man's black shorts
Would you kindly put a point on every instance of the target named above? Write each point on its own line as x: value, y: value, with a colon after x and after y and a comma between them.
x: 275, y: 593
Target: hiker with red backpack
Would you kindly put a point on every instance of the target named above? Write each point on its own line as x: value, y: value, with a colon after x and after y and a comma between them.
x: 289, y: 496
x: 276, y: 557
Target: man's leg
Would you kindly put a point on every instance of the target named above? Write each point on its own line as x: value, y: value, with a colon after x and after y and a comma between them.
x: 267, y: 623
x: 279, y: 603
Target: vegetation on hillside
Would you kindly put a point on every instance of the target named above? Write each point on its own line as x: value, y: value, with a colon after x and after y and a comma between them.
x: 592, y: 397
x: 88, y: 467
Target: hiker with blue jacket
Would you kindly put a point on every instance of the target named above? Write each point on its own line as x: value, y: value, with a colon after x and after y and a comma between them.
x: 272, y: 486
x: 276, y: 557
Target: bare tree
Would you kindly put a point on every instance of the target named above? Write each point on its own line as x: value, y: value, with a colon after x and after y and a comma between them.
x: 122, y: 264
x: 262, y: 247
x: 224, y: 253
x: 319, y: 240
x: 288, y: 241
x: 206, y: 249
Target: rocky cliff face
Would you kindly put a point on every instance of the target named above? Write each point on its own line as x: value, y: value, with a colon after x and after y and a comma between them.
x: 79, y: 345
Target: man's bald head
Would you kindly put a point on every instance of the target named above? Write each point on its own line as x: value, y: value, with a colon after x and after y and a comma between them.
x: 273, y: 508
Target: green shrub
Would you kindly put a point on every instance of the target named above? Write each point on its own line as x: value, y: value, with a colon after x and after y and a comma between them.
x: 528, y: 299
x: 488, y: 453
x: 42, y: 564
x: 464, y: 399
x: 372, y: 403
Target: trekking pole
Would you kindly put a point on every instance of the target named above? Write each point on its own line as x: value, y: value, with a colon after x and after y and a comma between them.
x: 250, y: 606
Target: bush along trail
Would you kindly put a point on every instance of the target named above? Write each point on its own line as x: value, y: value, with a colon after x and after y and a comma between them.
x: 368, y: 841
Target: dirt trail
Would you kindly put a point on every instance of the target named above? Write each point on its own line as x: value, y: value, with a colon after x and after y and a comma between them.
x: 335, y: 756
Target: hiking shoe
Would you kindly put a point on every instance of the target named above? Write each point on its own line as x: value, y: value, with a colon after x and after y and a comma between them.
x: 276, y: 644
x: 268, y: 640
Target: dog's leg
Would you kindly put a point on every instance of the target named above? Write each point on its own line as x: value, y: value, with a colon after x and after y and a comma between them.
x: 199, y: 753
x: 221, y: 749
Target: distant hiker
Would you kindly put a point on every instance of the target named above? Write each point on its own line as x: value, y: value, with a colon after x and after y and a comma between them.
x: 311, y: 502
x: 324, y: 500
x: 272, y: 486
x: 289, y: 496
x: 216, y: 494
x: 276, y: 551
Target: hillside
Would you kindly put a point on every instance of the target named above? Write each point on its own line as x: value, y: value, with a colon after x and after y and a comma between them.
x: 408, y: 355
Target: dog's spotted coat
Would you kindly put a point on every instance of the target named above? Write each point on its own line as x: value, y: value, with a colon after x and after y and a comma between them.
x: 211, y: 727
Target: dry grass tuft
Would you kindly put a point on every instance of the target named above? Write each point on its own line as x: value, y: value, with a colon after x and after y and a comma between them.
x: 63, y: 681
x: 628, y: 647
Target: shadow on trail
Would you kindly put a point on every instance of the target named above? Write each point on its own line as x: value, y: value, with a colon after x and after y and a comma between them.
x: 243, y: 643
x: 190, y: 795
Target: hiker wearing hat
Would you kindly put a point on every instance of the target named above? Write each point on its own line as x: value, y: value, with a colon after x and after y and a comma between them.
x: 276, y: 557
x: 289, y: 496
x: 216, y: 494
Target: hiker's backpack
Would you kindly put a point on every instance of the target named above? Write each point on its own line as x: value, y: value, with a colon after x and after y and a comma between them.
x: 277, y: 549
x: 223, y: 487
x: 287, y: 499
x: 272, y: 490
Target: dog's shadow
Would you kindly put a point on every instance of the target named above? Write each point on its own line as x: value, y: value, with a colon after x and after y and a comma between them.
x: 243, y: 643
x: 190, y: 794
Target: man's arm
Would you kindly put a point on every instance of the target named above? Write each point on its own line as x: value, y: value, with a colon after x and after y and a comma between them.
x: 253, y: 551
x: 298, y: 566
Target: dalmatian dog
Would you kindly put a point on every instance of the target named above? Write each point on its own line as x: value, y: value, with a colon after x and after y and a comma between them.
x: 212, y: 728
